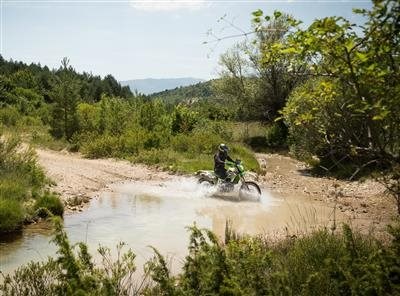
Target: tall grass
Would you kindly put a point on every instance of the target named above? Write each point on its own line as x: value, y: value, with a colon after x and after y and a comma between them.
x: 21, y: 180
x: 320, y: 263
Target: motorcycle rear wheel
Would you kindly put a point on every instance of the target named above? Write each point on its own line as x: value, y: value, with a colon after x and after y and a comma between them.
x: 205, y: 181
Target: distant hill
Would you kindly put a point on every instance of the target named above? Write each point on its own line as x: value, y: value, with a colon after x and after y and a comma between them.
x: 186, y: 93
x: 151, y: 85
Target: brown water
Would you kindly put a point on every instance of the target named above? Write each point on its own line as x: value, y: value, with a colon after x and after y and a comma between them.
x: 156, y: 214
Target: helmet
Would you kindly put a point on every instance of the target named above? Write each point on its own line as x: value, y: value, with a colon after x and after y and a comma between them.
x: 223, y: 148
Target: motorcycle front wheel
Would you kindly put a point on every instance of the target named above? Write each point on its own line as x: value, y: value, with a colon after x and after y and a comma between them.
x: 250, y: 191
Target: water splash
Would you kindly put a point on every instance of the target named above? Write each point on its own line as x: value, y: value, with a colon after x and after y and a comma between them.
x: 190, y: 188
x: 181, y: 187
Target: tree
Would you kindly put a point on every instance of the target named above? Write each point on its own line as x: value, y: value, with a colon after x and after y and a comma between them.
x: 255, y: 75
x: 236, y: 87
x: 362, y: 119
x: 66, y: 97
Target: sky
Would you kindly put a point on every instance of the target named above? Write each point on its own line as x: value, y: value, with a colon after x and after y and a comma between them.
x: 140, y: 39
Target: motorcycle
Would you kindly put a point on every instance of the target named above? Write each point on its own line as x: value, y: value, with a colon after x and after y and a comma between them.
x: 235, y: 175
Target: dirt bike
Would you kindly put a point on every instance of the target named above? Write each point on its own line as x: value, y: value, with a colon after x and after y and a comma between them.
x: 235, y: 175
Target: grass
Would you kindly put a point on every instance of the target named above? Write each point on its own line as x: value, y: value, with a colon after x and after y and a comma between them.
x: 22, y: 181
x: 11, y: 215
x: 51, y: 202
x: 13, y: 188
x: 186, y: 162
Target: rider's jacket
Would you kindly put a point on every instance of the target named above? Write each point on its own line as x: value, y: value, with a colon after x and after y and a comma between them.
x: 219, y: 161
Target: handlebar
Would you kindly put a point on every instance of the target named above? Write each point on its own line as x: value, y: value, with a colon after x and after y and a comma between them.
x: 232, y: 163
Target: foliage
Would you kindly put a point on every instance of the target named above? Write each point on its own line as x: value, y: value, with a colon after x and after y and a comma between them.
x: 183, y: 119
x: 185, y: 94
x: 21, y: 182
x: 50, y: 95
x: 236, y: 89
x: 66, y: 96
x: 322, y: 262
x: 276, y: 135
x: 352, y: 114
x: 16, y: 161
x: 74, y: 272
x: 255, y: 77
x: 9, y: 116
x: 313, y: 118
x: 391, y: 180
x: 146, y: 132
x: 35, y: 279
x: 11, y: 215
x: 51, y: 202
x: 40, y: 81
x: 344, y: 263
x: 274, y: 138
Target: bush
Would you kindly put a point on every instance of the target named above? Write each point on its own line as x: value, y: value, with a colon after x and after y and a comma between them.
x: 164, y: 157
x: 321, y: 263
x: 312, y: 121
x: 246, y: 156
x: 76, y: 273
x: 9, y: 116
x: 198, y: 142
x: 103, y: 146
x: 219, y: 128
x: 50, y: 202
x: 11, y: 215
x: 12, y: 189
x: 183, y: 119
x: 276, y: 135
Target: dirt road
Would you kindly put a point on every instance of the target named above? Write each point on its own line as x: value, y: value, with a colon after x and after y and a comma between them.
x: 78, y: 179
x: 364, y: 202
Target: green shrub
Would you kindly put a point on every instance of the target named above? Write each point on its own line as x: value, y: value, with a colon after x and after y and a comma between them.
x: 180, y: 143
x: 34, y: 279
x: 183, y: 119
x: 76, y: 273
x: 50, y: 202
x: 20, y: 162
x: 11, y: 215
x: 276, y: 135
x: 246, y: 156
x: 320, y: 263
x: 132, y: 141
x: 222, y: 129
x: 102, y: 146
x: 9, y: 116
x: 257, y: 143
x: 198, y: 142
x: 12, y: 189
x: 164, y: 157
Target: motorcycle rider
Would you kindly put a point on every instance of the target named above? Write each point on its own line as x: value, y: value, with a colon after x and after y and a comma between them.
x: 219, y: 161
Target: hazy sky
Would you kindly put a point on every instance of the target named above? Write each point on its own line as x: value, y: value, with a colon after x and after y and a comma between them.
x: 139, y: 39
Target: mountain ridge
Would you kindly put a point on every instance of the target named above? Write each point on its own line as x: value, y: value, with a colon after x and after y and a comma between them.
x: 149, y: 86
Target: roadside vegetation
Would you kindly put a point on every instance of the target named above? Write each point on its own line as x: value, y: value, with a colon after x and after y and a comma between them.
x: 23, y: 197
x: 320, y: 263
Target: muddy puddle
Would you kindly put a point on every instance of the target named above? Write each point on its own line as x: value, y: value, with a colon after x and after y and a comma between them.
x: 157, y: 214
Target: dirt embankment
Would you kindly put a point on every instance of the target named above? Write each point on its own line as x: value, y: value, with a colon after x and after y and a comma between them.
x: 365, y: 202
x: 78, y: 179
